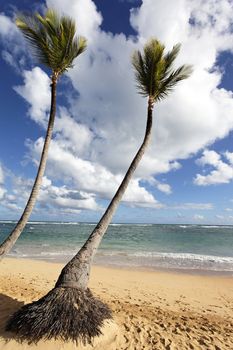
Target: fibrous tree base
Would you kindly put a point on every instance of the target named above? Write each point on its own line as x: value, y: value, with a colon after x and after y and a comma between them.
x: 65, y: 313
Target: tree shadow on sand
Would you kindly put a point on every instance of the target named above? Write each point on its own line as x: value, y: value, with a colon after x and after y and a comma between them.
x: 8, y: 306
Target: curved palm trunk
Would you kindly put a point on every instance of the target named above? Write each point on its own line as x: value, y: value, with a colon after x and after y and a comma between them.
x: 70, y: 311
x: 14, y: 235
x: 76, y: 273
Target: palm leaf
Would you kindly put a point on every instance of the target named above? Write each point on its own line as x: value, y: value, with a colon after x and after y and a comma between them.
x: 52, y: 38
x: 154, y: 73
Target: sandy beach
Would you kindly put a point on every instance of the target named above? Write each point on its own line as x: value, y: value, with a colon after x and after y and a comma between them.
x: 152, y: 310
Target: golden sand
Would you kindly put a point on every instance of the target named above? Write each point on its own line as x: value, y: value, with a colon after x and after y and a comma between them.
x: 152, y: 310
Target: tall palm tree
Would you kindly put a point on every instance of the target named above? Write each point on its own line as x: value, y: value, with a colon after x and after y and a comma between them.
x: 54, y: 43
x: 82, y: 314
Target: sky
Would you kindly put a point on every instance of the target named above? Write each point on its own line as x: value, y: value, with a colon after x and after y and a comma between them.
x: 186, y: 174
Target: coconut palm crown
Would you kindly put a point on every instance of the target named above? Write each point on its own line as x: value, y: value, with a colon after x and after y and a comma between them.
x: 52, y: 39
x: 154, y: 71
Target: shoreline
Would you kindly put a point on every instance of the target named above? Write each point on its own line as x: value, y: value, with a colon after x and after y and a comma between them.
x: 154, y: 310
x: 182, y: 271
x: 185, y: 249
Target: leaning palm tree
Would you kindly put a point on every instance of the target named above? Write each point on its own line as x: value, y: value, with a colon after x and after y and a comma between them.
x: 54, y: 43
x: 69, y: 310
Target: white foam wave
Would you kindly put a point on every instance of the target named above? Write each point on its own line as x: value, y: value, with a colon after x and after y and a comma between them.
x: 138, y: 254
x: 42, y: 254
x: 217, y: 226
x: 51, y: 223
x: 58, y: 253
x: 181, y: 256
x: 7, y: 222
x: 142, y: 258
x: 211, y: 226
x: 185, y: 256
x: 116, y: 225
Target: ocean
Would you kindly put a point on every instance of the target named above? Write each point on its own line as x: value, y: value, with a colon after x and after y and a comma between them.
x: 150, y: 246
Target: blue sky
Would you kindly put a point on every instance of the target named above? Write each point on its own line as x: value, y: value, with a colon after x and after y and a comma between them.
x: 186, y: 175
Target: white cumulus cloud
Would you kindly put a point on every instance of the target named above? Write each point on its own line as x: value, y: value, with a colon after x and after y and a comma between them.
x: 64, y: 198
x: 36, y: 92
x: 198, y: 217
x: 2, y: 177
x: 193, y: 206
x: 85, y: 13
x: 14, y: 45
x: 88, y: 176
x: 222, y: 171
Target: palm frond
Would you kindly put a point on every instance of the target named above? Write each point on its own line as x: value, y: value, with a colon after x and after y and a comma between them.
x: 154, y: 71
x: 170, y: 57
x: 167, y: 84
x: 52, y: 38
x: 141, y: 76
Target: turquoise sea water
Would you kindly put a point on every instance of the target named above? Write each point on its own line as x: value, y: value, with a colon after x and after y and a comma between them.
x: 194, y: 247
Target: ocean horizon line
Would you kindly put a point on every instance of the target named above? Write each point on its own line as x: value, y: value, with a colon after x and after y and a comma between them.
x: 182, y: 225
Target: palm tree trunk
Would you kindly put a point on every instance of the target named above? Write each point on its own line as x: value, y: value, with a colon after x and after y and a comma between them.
x: 76, y: 273
x: 14, y: 235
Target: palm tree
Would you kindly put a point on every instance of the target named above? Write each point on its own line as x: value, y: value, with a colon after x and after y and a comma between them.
x: 69, y: 310
x: 54, y: 44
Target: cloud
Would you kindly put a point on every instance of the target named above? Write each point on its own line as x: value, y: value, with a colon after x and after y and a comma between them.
x: 63, y: 198
x: 12, y: 206
x: 229, y: 157
x: 220, y: 217
x: 2, y: 177
x: 228, y: 209
x: 74, y: 136
x: 150, y: 20
x: 36, y: 91
x: 137, y: 195
x: 222, y: 172
x: 193, y: 23
x: 9, y: 58
x: 7, y: 27
x: 117, y: 114
x: 84, y: 12
x: 193, y: 206
x: 180, y: 216
x: 51, y: 197
x: 14, y: 45
x: 198, y: 217
x: 2, y: 192
x: 8, y: 200
x: 163, y: 187
x: 88, y: 176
